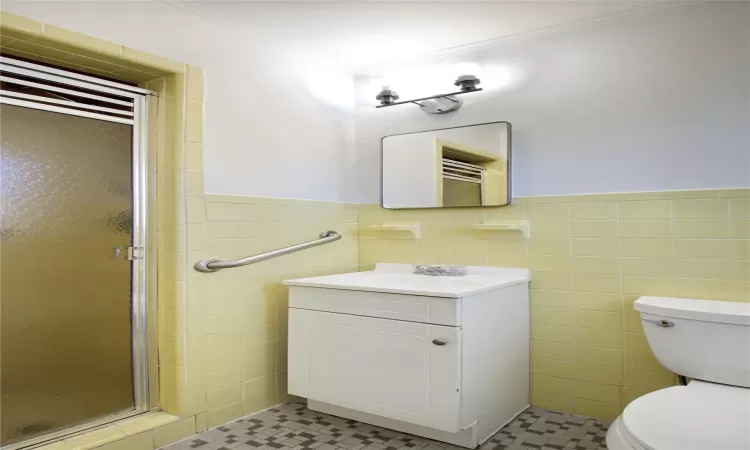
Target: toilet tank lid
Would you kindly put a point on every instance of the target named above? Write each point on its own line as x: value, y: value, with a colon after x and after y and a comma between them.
x: 695, y: 309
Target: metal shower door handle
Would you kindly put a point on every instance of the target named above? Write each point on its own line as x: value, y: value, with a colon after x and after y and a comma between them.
x: 129, y: 253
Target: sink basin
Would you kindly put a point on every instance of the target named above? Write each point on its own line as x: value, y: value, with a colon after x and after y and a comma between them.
x: 399, y: 279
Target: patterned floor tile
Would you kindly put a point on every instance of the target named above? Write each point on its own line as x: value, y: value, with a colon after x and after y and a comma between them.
x: 294, y: 427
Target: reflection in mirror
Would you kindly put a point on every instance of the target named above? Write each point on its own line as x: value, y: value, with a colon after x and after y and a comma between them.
x: 452, y: 167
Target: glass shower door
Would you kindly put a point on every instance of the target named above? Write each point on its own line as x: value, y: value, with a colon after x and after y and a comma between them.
x: 66, y: 205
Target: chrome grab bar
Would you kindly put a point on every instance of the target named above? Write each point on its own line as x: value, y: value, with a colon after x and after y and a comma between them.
x: 213, y: 265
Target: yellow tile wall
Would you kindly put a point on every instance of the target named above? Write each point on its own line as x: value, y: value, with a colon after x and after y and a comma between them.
x: 46, y: 43
x: 237, y: 318
x: 181, y: 214
x: 591, y: 256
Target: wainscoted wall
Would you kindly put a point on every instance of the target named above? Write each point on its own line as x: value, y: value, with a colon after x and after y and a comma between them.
x: 237, y: 318
x: 223, y: 335
x: 591, y: 256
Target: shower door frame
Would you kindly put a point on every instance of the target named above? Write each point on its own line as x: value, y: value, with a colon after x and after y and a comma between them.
x: 143, y: 268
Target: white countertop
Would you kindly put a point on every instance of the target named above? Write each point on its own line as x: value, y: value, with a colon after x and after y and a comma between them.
x: 399, y: 279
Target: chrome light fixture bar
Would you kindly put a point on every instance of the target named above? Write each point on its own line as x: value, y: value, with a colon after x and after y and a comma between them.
x: 435, y: 104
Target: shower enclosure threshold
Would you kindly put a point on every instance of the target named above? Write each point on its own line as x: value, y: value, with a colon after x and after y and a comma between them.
x: 100, y: 432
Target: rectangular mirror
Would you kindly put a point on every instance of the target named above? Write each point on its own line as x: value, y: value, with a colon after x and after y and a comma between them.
x: 450, y: 167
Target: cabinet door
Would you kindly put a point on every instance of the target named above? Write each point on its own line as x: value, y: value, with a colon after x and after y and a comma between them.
x: 386, y: 367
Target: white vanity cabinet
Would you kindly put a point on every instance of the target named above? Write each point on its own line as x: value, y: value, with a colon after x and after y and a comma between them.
x: 442, y: 357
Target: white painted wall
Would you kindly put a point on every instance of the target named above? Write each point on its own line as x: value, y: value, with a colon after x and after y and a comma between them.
x: 635, y: 102
x: 266, y: 133
x: 645, y: 101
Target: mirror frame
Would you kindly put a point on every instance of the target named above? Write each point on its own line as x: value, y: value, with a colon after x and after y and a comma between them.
x: 509, y: 159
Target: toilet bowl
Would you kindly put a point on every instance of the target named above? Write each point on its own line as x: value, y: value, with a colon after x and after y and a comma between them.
x: 699, y: 416
x: 708, y: 341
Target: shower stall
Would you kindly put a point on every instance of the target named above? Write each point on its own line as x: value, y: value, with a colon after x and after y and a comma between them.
x: 76, y: 347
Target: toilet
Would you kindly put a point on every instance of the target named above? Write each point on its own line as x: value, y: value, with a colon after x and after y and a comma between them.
x: 709, y: 343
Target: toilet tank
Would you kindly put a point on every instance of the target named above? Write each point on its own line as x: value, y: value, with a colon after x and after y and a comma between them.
x: 701, y: 339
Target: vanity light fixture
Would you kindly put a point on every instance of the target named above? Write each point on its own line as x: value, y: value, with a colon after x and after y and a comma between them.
x: 467, y: 83
x: 387, y: 96
x: 436, y: 104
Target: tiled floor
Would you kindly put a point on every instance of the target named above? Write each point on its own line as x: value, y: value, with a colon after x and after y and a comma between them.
x: 294, y: 427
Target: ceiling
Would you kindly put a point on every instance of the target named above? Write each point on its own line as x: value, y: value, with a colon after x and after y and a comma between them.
x: 357, y: 34
x: 341, y: 36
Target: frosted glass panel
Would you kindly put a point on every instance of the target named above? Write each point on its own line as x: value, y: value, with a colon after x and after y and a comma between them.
x: 461, y: 193
x: 66, y: 203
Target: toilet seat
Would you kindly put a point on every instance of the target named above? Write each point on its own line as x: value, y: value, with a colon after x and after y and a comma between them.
x: 700, y: 416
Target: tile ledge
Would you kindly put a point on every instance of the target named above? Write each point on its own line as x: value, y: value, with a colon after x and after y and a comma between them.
x: 114, y: 432
x: 145, y: 422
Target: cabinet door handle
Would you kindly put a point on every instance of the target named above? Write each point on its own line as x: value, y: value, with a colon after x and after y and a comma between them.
x: 439, y: 342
